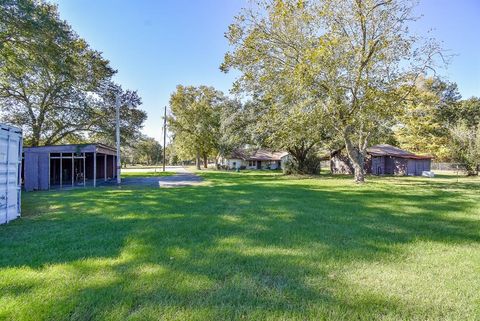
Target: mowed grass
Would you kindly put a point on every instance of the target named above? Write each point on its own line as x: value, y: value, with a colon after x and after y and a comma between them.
x: 247, y: 246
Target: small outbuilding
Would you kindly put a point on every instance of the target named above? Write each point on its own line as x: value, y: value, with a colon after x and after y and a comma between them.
x: 383, y: 160
x: 60, y: 166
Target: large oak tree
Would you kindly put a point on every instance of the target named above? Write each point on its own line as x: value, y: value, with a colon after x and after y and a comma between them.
x: 347, y: 59
x: 195, y: 121
x: 52, y: 83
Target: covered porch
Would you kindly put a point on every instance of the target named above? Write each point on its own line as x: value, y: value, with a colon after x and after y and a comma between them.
x: 68, y: 166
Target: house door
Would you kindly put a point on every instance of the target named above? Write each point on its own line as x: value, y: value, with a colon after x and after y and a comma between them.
x: 259, y: 164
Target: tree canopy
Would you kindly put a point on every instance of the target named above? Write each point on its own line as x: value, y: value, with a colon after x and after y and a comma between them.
x: 195, y: 121
x: 429, y: 109
x: 52, y: 83
x: 436, y: 121
x: 345, y: 58
x: 146, y: 151
x: 464, y: 130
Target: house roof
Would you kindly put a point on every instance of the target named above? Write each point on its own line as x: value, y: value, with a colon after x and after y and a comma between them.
x: 258, y: 154
x: 389, y: 150
x: 263, y: 154
x: 238, y: 154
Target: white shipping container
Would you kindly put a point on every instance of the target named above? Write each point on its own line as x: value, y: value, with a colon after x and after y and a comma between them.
x: 10, y: 172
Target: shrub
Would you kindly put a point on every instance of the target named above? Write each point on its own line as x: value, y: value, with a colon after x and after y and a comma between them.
x: 309, y: 166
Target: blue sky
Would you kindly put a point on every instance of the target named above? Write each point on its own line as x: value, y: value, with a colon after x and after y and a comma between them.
x: 157, y: 44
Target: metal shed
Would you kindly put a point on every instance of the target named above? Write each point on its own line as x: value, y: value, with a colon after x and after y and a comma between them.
x: 391, y: 160
x: 10, y: 172
x: 60, y: 166
x: 383, y: 160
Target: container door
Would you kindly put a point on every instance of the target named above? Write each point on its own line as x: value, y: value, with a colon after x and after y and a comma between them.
x: 419, y: 168
x: 10, y: 143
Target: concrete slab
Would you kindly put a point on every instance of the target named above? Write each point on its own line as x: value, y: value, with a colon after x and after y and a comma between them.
x: 177, y: 180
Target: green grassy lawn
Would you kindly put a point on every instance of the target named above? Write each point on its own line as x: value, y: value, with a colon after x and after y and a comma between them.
x: 247, y: 246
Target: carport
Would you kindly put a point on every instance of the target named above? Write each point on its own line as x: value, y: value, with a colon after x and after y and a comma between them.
x: 62, y: 166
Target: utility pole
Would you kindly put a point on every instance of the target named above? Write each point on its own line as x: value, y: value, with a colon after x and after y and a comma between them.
x: 117, y: 121
x: 164, y: 136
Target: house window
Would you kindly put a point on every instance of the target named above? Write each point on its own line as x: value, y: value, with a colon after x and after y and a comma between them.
x: 251, y: 163
x: 234, y: 164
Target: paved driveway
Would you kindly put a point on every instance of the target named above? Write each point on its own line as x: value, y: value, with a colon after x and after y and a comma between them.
x: 176, y: 169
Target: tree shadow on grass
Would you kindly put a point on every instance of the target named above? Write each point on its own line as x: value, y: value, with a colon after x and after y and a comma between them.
x: 249, y: 245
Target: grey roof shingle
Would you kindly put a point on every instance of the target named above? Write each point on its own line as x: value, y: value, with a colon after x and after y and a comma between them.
x: 257, y: 154
x: 389, y: 150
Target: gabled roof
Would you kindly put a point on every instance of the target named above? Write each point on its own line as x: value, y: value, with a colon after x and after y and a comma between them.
x: 238, y: 154
x: 389, y: 150
x: 258, y: 154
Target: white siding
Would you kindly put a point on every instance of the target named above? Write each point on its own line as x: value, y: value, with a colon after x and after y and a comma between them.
x: 285, y: 159
x: 233, y: 163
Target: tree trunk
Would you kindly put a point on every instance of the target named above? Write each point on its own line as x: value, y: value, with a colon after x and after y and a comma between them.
x: 300, y: 159
x: 197, y: 161
x: 205, y: 161
x: 299, y: 155
x: 357, y: 157
x: 35, y: 141
x: 359, y: 171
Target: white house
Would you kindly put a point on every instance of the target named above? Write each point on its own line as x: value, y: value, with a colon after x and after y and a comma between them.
x: 254, y: 159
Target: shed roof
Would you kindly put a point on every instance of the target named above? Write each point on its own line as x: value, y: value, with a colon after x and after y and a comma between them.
x: 389, y: 150
x: 72, y: 148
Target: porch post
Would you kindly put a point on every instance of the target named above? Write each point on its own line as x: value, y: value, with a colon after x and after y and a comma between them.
x: 94, y: 169
x: 84, y: 172
x: 73, y: 171
x: 61, y: 170
x: 105, y: 167
x: 49, y: 170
